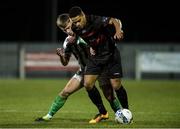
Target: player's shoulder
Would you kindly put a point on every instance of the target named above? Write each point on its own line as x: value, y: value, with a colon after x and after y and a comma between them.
x: 98, y: 19
x: 92, y: 16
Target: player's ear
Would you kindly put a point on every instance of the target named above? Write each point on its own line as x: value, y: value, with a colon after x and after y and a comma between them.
x: 82, y: 13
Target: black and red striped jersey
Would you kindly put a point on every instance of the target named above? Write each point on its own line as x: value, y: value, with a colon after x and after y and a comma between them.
x: 99, y: 35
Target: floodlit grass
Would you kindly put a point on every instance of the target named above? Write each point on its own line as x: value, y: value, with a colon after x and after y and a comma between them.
x: 154, y: 104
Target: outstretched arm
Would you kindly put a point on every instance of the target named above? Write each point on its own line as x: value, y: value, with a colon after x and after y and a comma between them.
x: 118, y: 27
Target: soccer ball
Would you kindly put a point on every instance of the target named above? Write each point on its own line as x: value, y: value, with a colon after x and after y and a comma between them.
x: 123, y: 116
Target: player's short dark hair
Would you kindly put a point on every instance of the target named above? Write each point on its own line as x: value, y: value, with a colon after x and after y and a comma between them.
x: 75, y: 11
x: 63, y: 19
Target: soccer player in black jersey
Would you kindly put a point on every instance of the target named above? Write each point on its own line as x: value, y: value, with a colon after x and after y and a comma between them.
x: 80, y: 50
x: 101, y: 34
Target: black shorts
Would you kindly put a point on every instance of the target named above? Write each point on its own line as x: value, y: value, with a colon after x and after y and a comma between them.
x: 104, y: 80
x: 113, y: 66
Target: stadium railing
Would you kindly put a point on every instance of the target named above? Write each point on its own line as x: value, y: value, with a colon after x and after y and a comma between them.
x: 43, y: 61
x: 157, y: 62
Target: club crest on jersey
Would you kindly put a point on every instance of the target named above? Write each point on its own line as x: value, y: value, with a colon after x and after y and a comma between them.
x: 105, y: 19
x: 84, y: 31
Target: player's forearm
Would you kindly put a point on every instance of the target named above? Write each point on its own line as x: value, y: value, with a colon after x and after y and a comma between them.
x: 118, y: 27
x: 64, y: 61
x: 117, y: 23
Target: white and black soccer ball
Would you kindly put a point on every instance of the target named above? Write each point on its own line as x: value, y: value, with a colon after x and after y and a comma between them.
x: 123, y: 116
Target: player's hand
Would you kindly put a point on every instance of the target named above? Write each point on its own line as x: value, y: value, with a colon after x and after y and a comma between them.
x: 71, y: 39
x: 92, y: 51
x: 119, y: 35
x: 60, y: 51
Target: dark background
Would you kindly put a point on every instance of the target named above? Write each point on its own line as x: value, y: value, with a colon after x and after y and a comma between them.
x: 143, y: 21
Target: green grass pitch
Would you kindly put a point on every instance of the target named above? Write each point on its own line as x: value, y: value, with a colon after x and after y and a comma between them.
x: 154, y: 104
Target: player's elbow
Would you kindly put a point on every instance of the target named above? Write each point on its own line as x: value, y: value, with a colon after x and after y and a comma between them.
x: 64, y: 63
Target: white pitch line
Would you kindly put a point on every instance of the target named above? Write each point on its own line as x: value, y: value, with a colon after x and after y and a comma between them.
x: 88, y: 128
x: 76, y: 111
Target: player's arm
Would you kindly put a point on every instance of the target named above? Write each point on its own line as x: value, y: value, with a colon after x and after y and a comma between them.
x: 62, y: 56
x: 118, y: 27
x: 65, y: 52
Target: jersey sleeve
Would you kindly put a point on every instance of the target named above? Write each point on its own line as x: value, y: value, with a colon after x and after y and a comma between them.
x: 105, y: 20
x: 101, y: 20
x: 67, y: 48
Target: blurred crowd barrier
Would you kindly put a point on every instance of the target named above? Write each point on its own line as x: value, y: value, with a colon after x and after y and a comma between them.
x: 39, y: 60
